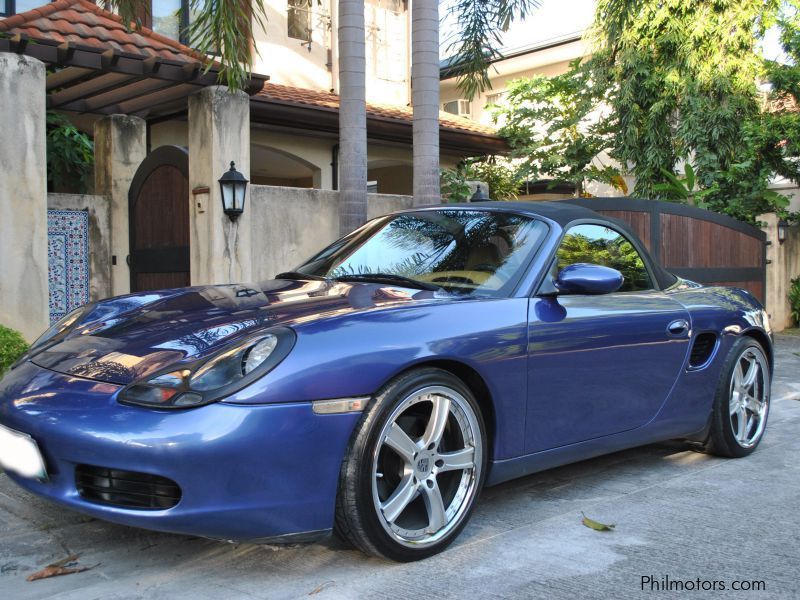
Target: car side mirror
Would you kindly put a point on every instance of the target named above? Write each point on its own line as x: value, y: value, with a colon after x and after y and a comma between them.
x: 584, y: 278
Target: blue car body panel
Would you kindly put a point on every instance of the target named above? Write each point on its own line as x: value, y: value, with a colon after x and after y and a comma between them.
x: 244, y: 470
x: 566, y: 378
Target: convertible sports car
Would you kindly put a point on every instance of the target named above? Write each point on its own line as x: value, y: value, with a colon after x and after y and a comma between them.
x: 378, y: 387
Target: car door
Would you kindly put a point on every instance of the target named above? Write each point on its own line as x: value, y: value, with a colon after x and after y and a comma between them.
x: 601, y: 364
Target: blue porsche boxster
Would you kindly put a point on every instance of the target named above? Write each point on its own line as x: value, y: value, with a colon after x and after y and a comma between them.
x: 376, y: 389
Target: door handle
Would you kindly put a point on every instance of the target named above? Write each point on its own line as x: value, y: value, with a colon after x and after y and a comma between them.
x: 678, y: 327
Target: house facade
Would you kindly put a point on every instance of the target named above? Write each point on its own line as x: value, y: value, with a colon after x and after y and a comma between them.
x: 164, y: 132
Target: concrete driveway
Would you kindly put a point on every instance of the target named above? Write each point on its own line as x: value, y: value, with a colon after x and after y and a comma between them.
x: 678, y: 514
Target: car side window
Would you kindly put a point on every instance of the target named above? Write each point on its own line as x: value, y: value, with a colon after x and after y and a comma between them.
x: 604, y: 246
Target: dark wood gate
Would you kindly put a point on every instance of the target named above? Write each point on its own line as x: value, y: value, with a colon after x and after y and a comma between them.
x: 158, y: 202
x: 697, y: 244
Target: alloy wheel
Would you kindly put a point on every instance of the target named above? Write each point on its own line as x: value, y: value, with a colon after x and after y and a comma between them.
x: 426, y: 466
x: 749, y: 397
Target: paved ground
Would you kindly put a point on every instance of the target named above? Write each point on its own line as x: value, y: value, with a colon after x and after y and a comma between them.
x: 678, y: 513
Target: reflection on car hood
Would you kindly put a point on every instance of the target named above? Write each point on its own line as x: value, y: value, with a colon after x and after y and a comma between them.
x: 127, y: 338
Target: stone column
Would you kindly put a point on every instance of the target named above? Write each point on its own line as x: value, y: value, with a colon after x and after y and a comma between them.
x: 120, y: 146
x: 219, y: 132
x: 24, y: 294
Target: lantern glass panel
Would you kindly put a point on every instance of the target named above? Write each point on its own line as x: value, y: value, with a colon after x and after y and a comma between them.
x: 228, y: 195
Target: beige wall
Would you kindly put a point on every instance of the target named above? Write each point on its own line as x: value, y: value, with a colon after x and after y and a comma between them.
x: 23, y: 196
x: 294, y: 62
x: 291, y: 224
x: 783, y: 265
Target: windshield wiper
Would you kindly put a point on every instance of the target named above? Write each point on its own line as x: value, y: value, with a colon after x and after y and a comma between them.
x: 389, y: 278
x: 298, y: 275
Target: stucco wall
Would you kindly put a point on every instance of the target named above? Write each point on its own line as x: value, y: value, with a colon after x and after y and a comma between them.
x: 99, y: 209
x: 291, y: 224
x: 23, y: 196
x: 783, y: 265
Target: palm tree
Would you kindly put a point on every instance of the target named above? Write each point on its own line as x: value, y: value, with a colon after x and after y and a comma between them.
x: 425, y: 100
x: 352, y: 116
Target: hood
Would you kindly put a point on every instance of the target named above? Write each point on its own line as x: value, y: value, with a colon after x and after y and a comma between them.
x: 125, y: 339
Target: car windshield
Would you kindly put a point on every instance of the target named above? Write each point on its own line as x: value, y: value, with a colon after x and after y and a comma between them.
x: 464, y: 251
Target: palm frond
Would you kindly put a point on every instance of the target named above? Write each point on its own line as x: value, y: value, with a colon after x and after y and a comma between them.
x: 480, y: 24
x: 218, y: 27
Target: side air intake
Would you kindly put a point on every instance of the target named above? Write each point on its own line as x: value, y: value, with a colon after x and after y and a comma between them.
x: 702, y: 349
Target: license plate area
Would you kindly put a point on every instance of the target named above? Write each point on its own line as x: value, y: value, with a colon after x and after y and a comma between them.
x: 20, y: 454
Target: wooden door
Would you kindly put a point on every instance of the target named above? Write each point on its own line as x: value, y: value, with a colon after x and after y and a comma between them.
x: 159, y: 221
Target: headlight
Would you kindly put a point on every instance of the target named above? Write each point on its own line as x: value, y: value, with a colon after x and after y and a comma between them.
x: 60, y: 328
x: 223, y: 374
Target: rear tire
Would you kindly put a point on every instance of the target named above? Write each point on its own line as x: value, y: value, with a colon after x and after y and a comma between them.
x: 741, y: 403
x: 414, y: 467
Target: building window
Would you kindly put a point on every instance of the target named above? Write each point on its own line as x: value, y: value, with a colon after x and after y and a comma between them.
x: 13, y: 7
x: 298, y: 13
x: 495, y: 99
x: 461, y: 108
x: 167, y: 17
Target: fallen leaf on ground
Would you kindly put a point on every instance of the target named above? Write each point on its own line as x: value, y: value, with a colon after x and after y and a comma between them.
x: 596, y: 525
x: 59, y: 568
x: 320, y: 587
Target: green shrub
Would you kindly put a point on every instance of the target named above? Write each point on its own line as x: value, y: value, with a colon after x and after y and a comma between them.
x: 12, y: 346
x: 794, y: 300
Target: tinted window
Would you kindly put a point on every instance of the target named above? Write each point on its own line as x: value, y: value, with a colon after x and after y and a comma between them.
x: 464, y: 251
x: 604, y: 246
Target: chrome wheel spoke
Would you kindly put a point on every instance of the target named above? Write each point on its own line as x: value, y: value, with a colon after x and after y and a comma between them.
x: 741, y: 425
x: 738, y: 376
x: 733, y: 405
x: 438, y: 420
x: 400, y: 499
x: 399, y: 441
x: 750, y: 375
x: 434, y: 505
x: 457, y: 461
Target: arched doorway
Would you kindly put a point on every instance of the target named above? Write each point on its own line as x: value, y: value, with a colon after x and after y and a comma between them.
x: 158, y: 204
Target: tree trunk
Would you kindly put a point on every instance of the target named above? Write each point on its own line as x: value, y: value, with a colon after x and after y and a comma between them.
x: 425, y: 99
x: 352, y: 117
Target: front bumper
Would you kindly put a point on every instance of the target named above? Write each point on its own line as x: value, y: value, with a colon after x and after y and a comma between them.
x: 246, y: 472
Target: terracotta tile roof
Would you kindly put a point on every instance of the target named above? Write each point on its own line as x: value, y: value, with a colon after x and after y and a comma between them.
x: 273, y: 92
x: 86, y: 25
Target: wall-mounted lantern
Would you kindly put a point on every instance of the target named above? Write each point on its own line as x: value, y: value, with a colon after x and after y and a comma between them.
x: 782, y: 227
x: 233, y: 186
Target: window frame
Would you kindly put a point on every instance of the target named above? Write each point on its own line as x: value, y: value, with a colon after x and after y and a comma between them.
x: 182, y: 25
x: 294, y: 9
x: 11, y: 8
x: 547, y: 280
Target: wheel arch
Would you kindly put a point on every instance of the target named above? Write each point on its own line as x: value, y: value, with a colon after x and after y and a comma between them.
x: 762, y: 338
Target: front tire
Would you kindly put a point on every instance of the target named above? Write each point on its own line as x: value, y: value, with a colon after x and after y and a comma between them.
x: 741, y: 404
x: 414, y: 467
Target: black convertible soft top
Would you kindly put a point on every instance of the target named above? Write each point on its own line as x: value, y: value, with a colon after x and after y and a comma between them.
x: 561, y: 212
